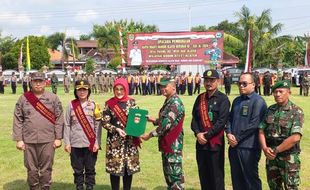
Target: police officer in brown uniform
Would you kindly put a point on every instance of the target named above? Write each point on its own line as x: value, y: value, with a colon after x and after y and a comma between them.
x: 37, y: 130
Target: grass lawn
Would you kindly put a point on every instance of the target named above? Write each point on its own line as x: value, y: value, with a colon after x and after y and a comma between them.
x: 13, y: 173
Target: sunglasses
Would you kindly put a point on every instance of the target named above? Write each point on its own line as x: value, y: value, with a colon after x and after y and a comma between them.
x: 244, y: 84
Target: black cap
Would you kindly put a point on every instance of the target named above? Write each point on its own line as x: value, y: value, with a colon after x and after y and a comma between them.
x: 211, y: 73
x: 82, y: 84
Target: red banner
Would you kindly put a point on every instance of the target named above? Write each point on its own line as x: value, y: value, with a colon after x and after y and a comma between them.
x: 174, y: 48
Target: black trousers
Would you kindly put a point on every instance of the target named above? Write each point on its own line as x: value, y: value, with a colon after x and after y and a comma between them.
x: 13, y: 86
x: 211, y: 169
x: 115, y: 181
x: 131, y: 88
x: 244, y: 168
x: 266, y: 90
x: 83, y: 163
x: 227, y: 89
x: 177, y: 89
x: 190, y: 88
x: 138, y: 88
x: 1, y: 87
x: 152, y: 88
x: 183, y: 89
x: 25, y: 87
x: 144, y: 90
x: 197, y: 88
x: 158, y: 89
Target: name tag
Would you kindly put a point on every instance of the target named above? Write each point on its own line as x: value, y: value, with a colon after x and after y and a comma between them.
x: 210, y: 115
x: 245, y: 110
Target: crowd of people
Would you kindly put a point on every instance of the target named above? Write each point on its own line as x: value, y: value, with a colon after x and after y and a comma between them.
x: 147, y: 83
x: 40, y: 124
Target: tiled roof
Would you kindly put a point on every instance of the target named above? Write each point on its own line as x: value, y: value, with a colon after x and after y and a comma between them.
x: 228, y: 58
x: 56, y: 55
x: 86, y: 43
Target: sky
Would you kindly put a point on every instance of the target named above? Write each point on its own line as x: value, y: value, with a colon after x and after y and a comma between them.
x: 20, y: 18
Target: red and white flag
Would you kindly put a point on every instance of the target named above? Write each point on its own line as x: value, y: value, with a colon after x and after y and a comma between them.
x: 249, y: 53
x: 122, y: 48
x: 307, y: 55
x: 20, y: 58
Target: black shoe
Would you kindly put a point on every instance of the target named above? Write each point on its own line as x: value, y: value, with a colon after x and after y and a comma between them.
x: 89, y: 187
x: 79, y: 187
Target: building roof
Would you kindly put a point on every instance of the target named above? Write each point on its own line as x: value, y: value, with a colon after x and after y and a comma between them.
x: 56, y: 55
x: 87, y: 43
x: 230, y: 59
x: 93, y: 52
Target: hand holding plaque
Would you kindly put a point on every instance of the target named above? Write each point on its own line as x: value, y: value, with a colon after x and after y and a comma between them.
x: 136, y: 122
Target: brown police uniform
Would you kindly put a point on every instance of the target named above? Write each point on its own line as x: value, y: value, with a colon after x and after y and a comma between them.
x: 38, y: 134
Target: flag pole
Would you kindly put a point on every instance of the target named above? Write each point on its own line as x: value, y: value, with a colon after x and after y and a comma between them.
x: 28, y: 55
x: 122, y: 49
x: 248, y: 66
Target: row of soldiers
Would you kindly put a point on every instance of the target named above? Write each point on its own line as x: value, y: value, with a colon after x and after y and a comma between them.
x: 148, y: 83
x: 101, y: 83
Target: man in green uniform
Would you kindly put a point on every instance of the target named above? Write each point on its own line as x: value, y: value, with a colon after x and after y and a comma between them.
x: 54, y: 83
x: 170, y: 134
x: 279, y: 135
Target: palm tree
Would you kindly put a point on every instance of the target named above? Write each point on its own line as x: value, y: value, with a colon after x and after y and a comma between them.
x: 263, y: 31
x: 108, y: 34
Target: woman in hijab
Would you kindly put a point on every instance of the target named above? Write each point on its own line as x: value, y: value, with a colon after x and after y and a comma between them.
x: 122, y: 155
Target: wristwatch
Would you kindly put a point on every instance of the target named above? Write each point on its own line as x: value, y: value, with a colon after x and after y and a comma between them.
x: 275, y: 150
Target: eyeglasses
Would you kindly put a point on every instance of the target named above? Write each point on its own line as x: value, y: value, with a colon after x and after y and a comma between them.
x: 244, y: 84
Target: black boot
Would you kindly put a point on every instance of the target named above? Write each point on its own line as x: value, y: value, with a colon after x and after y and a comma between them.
x: 79, y: 187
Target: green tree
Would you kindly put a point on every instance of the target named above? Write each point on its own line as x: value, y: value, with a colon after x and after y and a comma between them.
x: 6, y: 43
x: 114, y: 62
x: 263, y: 32
x: 108, y: 34
x: 60, y: 40
x: 9, y: 60
x: 85, y: 37
x: 89, y: 66
x: 55, y: 40
x: 38, y: 49
x: 199, y: 28
x: 230, y: 28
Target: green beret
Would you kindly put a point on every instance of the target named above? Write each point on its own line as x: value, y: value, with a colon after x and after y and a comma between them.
x: 165, y: 81
x: 282, y: 84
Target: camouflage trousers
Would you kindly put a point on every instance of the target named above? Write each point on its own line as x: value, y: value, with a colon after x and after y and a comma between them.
x: 173, y: 171
x: 54, y: 89
x: 283, y: 171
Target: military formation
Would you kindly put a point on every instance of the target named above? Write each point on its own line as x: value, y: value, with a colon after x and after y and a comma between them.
x: 40, y: 124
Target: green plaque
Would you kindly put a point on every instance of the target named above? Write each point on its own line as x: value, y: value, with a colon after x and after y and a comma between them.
x: 136, y: 122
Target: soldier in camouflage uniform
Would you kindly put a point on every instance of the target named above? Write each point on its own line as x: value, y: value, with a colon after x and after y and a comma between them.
x: 54, y: 83
x: 279, y: 135
x: 305, y: 83
x: 170, y: 135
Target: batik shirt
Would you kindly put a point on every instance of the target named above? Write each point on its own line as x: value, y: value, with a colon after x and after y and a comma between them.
x: 120, y: 152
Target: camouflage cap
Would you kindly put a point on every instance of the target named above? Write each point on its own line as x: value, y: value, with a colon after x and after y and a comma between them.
x: 281, y: 84
x: 37, y: 76
x: 211, y: 73
x: 81, y: 84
